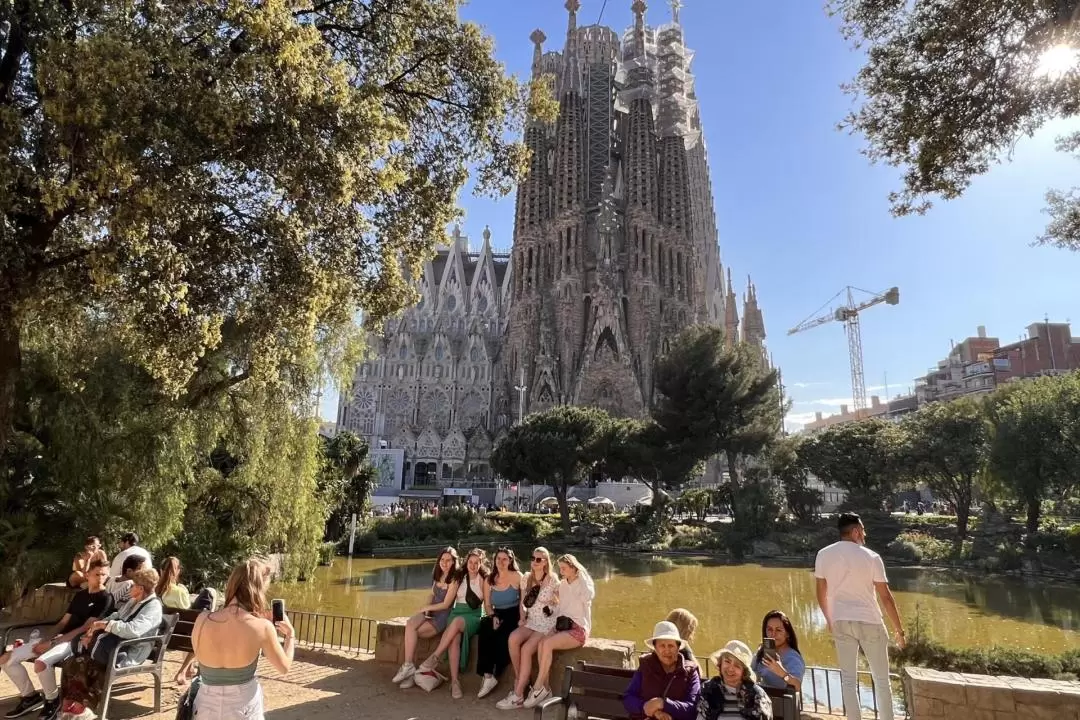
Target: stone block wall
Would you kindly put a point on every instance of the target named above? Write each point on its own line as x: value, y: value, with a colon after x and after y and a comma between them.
x: 390, y: 648
x: 45, y: 604
x: 936, y: 695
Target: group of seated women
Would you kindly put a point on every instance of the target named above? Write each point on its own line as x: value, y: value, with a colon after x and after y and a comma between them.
x: 516, y: 617
x: 668, y: 686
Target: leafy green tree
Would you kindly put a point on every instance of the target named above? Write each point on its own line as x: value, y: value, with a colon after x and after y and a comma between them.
x: 346, y: 480
x: 229, y: 182
x: 557, y: 447
x: 697, y: 501
x: 947, y: 445
x: 949, y: 86
x: 647, y: 451
x: 858, y: 457
x: 718, y: 399
x: 1035, y: 447
x: 787, y: 466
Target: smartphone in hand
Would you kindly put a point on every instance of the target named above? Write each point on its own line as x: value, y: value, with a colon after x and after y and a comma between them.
x: 769, y: 646
x: 277, y: 610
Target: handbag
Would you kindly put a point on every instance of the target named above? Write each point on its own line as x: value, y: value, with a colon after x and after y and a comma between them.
x: 185, y: 709
x: 473, y: 600
x: 531, y: 596
x: 429, y: 679
x: 563, y: 624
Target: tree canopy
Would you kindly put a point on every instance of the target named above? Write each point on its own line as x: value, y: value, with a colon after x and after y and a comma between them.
x: 229, y: 183
x: 859, y: 457
x: 949, y: 86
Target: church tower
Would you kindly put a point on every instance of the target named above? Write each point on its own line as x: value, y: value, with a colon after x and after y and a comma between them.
x: 615, y: 241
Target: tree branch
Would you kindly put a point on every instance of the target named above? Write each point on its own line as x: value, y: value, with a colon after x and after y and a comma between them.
x: 9, y: 65
x: 212, y: 389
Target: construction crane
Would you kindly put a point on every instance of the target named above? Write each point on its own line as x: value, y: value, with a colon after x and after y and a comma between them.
x: 849, y: 315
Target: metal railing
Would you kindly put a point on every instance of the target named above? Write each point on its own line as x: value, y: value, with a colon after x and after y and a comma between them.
x: 821, y: 686
x: 316, y: 631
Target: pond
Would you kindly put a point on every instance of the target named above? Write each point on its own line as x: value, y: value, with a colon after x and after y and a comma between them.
x: 634, y: 591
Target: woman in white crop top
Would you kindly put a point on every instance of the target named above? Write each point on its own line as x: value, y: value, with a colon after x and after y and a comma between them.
x: 576, y: 592
x: 464, y: 620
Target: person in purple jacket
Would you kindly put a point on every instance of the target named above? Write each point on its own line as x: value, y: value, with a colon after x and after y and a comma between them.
x: 666, y: 685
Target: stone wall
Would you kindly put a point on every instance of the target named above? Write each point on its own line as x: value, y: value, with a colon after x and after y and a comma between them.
x: 932, y: 694
x: 390, y: 648
x: 46, y: 604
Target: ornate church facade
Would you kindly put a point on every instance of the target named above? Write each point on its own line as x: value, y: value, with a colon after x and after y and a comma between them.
x: 614, y: 252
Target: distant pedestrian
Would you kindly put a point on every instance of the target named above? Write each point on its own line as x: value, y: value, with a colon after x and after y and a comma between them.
x: 850, y: 581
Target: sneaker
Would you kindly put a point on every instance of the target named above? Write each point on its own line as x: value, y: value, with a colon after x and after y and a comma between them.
x: 510, y: 702
x: 455, y: 690
x: 490, y: 681
x: 50, y: 709
x: 408, y: 682
x: 405, y: 671
x: 537, y: 696
x: 26, y: 705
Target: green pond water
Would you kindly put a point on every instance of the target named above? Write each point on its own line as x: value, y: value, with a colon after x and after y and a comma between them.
x: 633, y: 592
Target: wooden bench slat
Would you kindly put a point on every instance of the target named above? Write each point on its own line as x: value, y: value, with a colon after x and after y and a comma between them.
x: 591, y: 706
x: 587, y: 682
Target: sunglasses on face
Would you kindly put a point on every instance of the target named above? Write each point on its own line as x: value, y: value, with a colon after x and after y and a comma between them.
x: 538, y: 559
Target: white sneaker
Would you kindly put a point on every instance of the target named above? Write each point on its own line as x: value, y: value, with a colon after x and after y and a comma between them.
x: 405, y: 671
x: 510, y: 702
x: 537, y: 696
x: 408, y: 682
x: 490, y: 681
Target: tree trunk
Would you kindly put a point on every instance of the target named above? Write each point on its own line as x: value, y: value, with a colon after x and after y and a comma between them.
x: 963, y: 507
x: 564, y: 507
x: 1033, y: 511
x: 733, y: 473
x: 10, y: 366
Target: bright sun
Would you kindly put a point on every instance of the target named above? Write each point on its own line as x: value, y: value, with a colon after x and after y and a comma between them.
x: 1057, y: 61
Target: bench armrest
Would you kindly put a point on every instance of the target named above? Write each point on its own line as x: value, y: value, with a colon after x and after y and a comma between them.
x: 8, y: 629
x: 538, y: 712
x: 129, y: 643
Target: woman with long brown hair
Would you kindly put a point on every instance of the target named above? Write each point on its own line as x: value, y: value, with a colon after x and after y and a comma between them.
x: 228, y: 644
x: 783, y: 666
x: 433, y: 617
x: 502, y: 608
x: 169, y: 589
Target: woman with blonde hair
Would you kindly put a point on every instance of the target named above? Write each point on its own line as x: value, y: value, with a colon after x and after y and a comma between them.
x: 687, y: 623
x: 228, y: 644
x: 575, y: 595
x: 537, y: 621
x: 169, y: 589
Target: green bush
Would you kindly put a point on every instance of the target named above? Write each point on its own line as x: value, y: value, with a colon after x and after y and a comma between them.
x: 992, y: 660
x: 915, y: 546
x: 327, y: 553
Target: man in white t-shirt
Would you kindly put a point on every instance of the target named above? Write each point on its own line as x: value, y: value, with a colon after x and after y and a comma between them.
x: 129, y: 547
x: 850, y: 581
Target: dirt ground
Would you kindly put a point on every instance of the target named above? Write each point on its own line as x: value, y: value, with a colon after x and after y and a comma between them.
x: 321, y: 685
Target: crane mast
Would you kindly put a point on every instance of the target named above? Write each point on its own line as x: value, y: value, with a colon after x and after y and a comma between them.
x: 848, y: 314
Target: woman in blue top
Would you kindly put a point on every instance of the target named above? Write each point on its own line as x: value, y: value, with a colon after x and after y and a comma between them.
x: 787, y: 667
x: 502, y: 606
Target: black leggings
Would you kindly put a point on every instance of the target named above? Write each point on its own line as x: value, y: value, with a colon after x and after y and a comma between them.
x: 493, y: 646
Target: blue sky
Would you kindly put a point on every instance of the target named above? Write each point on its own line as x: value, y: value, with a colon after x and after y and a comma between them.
x: 802, y: 211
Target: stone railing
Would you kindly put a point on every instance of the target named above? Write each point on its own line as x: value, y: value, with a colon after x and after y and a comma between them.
x: 933, y: 694
x: 45, y: 604
x: 390, y: 648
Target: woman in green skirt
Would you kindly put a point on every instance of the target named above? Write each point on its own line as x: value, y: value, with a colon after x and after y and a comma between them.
x: 464, y: 621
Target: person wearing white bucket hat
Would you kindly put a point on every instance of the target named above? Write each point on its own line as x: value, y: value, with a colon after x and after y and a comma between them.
x: 666, y: 685
x: 735, y: 689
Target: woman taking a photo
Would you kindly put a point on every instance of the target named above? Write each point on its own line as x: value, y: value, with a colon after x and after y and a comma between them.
x: 502, y: 610
x: 536, y: 621
x: 228, y: 644
x: 575, y: 595
x: 169, y: 589
x: 462, y: 624
x: 785, y: 668
x: 433, y: 617
x: 735, y: 689
x: 666, y: 685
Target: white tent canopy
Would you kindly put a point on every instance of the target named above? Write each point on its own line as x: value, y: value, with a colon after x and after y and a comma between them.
x: 550, y: 501
x: 602, y: 501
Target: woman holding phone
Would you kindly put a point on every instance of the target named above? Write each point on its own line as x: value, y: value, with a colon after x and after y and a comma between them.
x: 778, y: 662
x: 502, y: 609
x: 433, y: 617
x: 228, y: 644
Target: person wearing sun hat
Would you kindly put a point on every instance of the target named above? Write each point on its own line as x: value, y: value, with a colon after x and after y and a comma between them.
x: 734, y: 692
x: 666, y: 685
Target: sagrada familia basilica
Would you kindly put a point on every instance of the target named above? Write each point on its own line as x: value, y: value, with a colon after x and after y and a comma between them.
x: 614, y: 252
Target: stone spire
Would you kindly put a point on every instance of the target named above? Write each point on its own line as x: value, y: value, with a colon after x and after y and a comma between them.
x: 676, y: 5
x: 538, y: 37
x: 570, y: 78
x: 753, y: 328
x: 731, y: 314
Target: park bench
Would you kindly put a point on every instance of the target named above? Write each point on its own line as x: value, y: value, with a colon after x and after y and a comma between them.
x: 180, y: 640
x: 21, y: 631
x: 597, y: 692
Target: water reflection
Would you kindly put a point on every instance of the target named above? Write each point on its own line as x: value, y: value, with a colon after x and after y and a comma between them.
x: 633, y: 592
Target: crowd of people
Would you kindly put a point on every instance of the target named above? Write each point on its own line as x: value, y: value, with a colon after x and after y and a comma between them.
x: 520, y: 616
x: 525, y: 615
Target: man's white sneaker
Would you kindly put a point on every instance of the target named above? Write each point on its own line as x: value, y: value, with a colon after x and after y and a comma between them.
x: 510, y: 702
x: 487, y: 686
x: 407, y: 670
x: 537, y: 696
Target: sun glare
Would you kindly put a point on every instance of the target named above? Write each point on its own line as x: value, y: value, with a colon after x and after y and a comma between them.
x: 1057, y: 61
